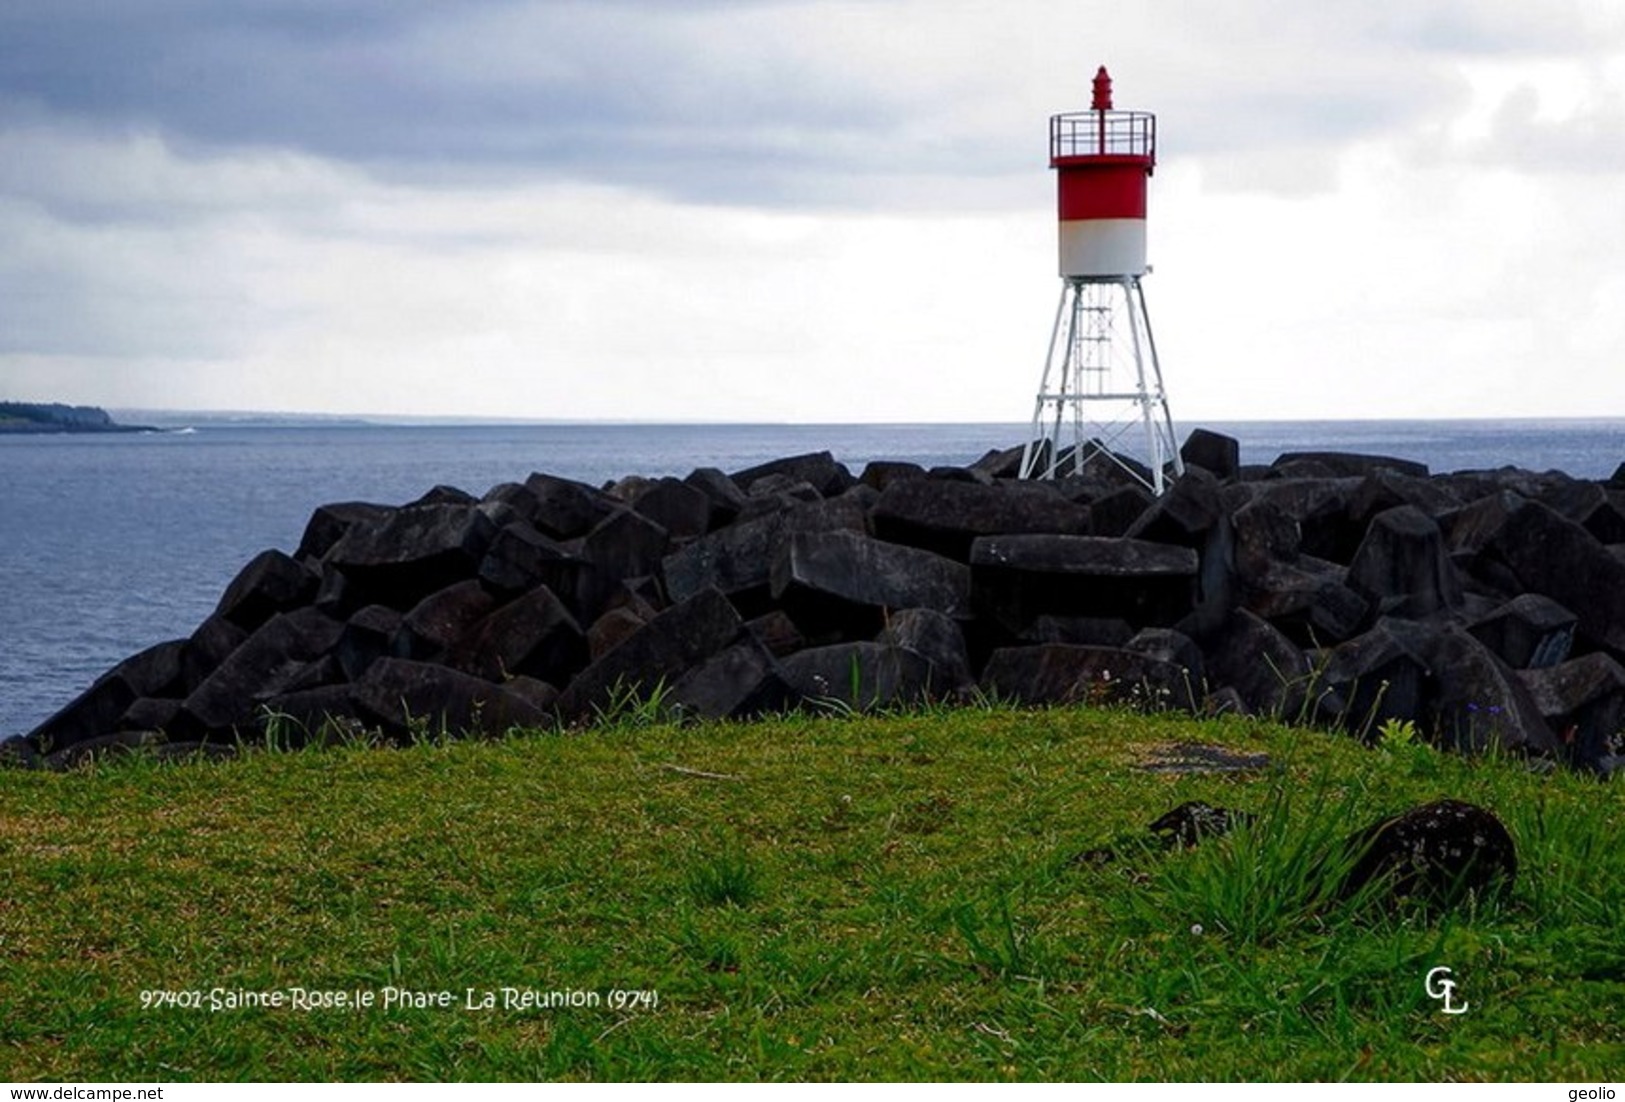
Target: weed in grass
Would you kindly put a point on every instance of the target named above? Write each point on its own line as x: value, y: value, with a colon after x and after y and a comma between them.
x: 726, y: 877
x: 926, y: 816
x: 997, y: 945
x: 631, y: 705
x: 1269, y: 876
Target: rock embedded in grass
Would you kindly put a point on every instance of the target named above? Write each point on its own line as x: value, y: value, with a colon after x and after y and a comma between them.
x: 1437, y: 854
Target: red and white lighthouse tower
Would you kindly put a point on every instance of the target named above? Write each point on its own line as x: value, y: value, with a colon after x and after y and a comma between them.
x: 1101, y: 378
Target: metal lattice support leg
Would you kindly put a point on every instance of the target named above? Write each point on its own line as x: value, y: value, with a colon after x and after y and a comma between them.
x: 1083, y: 366
x: 1161, y: 448
x: 1039, y: 456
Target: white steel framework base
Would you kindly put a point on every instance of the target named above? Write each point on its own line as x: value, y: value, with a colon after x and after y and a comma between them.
x: 1108, y: 382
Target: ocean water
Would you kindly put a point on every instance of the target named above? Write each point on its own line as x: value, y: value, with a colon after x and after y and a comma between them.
x: 109, y: 544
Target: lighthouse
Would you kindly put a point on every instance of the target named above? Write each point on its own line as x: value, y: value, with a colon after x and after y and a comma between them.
x: 1101, y: 392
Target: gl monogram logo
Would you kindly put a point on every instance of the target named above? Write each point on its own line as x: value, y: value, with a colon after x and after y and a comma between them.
x: 1438, y: 985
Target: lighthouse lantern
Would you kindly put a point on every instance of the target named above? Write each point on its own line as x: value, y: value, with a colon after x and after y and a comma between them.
x: 1101, y: 349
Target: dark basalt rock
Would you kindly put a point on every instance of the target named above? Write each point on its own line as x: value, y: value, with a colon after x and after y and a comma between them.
x: 1056, y: 673
x: 1401, y: 566
x: 1319, y: 507
x: 1416, y: 596
x: 881, y: 473
x: 726, y: 498
x: 1477, y: 702
x: 208, y: 646
x: 1308, y: 601
x: 1377, y: 676
x: 1084, y: 631
x: 1553, y: 556
x: 611, y: 629
x: 413, y: 552
x: 1438, y: 854
x: 775, y: 493
x: 420, y: 698
x: 367, y: 636
x: 944, y: 516
x: 1193, y: 821
x: 152, y: 714
x: 736, y: 560
x: 329, y: 523
x: 19, y: 752
x: 99, y: 748
x: 1114, y: 512
x: 1183, y: 515
x: 567, y: 509
x: 742, y: 681
x: 959, y: 474
x: 1002, y: 462
x: 436, y: 626
x: 1528, y: 632
x: 533, y: 635
x: 541, y: 695
x: 520, y: 558
x: 516, y: 496
x: 92, y: 713
x: 319, y: 715
x: 266, y: 665
x: 1584, y: 703
x: 845, y: 581
x: 818, y: 469
x: 623, y: 545
x: 1016, y: 579
x: 777, y: 632
x: 272, y: 582
x: 1265, y: 667
x: 1385, y: 489
x: 1590, y: 505
x: 661, y: 651
x: 683, y: 511
x: 154, y: 672
x: 1173, y: 647
x: 935, y: 636
x: 845, y: 512
x: 1346, y: 464
x: 862, y: 676
x: 444, y: 495
x: 1214, y: 452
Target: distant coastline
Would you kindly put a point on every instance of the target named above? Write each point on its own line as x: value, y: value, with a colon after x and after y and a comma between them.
x: 54, y: 417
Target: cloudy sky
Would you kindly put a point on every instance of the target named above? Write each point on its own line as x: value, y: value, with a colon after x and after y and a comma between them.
x: 801, y: 210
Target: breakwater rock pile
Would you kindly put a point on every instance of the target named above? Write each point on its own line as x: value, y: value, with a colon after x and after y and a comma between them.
x: 1486, y: 607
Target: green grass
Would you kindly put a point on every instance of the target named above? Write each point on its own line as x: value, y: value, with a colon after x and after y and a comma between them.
x: 809, y: 898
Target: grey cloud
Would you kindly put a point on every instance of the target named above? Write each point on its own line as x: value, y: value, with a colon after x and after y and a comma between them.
x: 1590, y: 140
x: 620, y: 93
x: 743, y: 102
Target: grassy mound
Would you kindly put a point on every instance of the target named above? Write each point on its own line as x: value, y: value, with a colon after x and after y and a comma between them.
x: 803, y: 898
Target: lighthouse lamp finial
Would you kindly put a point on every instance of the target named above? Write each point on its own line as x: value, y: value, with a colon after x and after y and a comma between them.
x: 1103, y: 91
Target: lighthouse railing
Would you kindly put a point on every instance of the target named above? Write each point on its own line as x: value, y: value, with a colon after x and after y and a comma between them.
x: 1103, y: 134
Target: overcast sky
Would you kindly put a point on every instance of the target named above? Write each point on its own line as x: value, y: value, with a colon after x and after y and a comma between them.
x: 809, y: 211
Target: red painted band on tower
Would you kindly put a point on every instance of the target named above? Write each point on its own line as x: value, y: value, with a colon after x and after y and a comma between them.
x: 1102, y: 187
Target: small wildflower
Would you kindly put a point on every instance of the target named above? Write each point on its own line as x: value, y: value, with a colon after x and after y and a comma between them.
x: 1197, y: 929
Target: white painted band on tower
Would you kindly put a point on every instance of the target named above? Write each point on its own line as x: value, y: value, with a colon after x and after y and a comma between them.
x: 1103, y: 247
